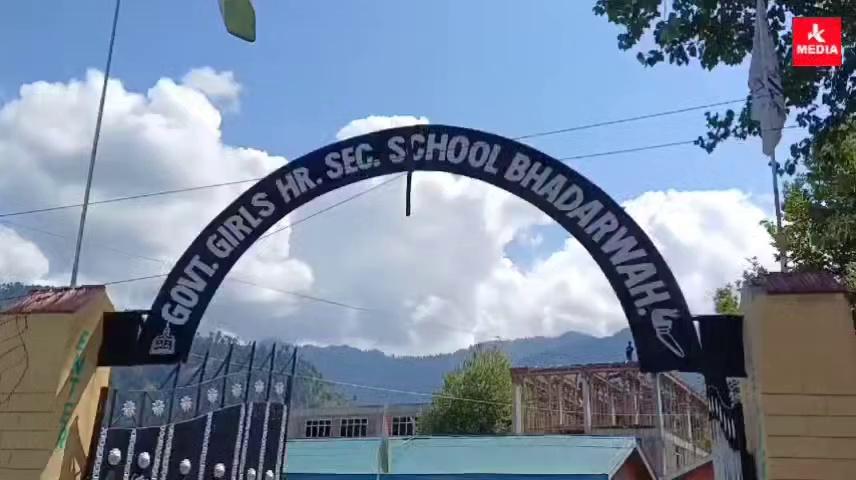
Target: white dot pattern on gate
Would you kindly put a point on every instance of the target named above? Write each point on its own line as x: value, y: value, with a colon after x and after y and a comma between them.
x: 167, y: 452
x: 264, y: 437
x: 99, y: 454
x: 248, y: 422
x: 158, y: 451
x: 206, y: 437
x: 281, y: 446
x: 129, y: 457
x: 237, y: 453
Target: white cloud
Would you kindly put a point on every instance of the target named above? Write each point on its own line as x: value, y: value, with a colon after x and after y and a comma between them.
x: 705, y: 238
x: 219, y: 87
x: 20, y: 259
x: 373, y: 123
x: 435, y: 281
x: 164, y: 139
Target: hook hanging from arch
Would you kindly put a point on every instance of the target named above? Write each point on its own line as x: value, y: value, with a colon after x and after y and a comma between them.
x: 407, y: 189
x: 408, y: 153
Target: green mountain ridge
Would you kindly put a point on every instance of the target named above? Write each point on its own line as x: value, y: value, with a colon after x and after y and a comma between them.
x: 424, y: 374
x: 345, y: 374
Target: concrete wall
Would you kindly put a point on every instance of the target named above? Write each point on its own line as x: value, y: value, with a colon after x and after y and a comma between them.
x: 660, y: 450
x: 650, y: 443
x: 702, y: 472
x: 49, y: 390
x: 633, y: 469
x: 800, y: 397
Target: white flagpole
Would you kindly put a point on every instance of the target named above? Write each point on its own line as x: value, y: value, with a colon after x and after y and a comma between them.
x: 768, y: 102
x: 76, y: 263
x: 775, y: 168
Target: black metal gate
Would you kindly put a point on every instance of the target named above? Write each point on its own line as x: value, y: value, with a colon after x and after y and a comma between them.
x: 230, y: 425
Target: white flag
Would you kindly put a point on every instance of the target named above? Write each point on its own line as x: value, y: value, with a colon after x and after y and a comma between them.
x: 765, y: 83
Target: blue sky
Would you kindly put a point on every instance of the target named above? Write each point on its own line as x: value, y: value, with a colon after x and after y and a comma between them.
x: 503, y: 66
x: 499, y: 65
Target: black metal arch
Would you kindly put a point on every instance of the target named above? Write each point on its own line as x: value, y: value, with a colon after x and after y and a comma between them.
x: 658, y: 315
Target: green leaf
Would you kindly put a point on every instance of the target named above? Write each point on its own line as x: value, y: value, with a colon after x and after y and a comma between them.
x: 819, y: 210
x: 239, y: 16
x: 718, y: 33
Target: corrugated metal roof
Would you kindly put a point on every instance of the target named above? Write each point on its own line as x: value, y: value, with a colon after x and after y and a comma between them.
x: 333, y: 456
x: 511, y: 455
x: 802, y: 282
x: 55, y: 300
x: 530, y: 455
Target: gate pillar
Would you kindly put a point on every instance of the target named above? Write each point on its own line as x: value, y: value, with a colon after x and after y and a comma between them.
x: 799, y: 399
x: 50, y: 382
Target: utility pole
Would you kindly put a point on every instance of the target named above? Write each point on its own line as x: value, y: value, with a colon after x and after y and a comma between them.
x: 94, y: 151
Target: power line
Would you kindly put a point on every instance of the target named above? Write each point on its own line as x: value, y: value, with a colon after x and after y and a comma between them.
x: 303, y: 296
x: 422, y: 394
x: 171, y: 192
x: 134, y: 279
x: 648, y: 147
x: 131, y: 197
x: 330, y: 207
x: 346, y: 200
x: 295, y: 294
x: 627, y: 150
x: 291, y: 225
x: 244, y: 281
x: 235, y: 279
x: 238, y: 280
x: 456, y: 398
x: 523, y: 137
x: 269, y: 234
x: 165, y: 262
x: 629, y: 119
x: 99, y: 244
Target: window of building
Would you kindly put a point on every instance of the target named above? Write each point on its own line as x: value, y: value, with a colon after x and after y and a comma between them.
x: 679, y: 457
x: 354, y: 427
x: 404, y: 426
x: 318, y: 428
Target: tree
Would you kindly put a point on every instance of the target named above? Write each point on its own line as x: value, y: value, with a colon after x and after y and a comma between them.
x: 726, y: 299
x: 11, y: 293
x: 485, y: 381
x: 819, y: 233
x: 720, y: 32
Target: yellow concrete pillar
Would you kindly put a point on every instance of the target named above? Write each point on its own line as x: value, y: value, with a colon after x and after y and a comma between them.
x: 49, y: 382
x: 800, y: 396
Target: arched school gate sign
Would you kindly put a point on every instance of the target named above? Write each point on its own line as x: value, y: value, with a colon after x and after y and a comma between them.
x: 655, y: 307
